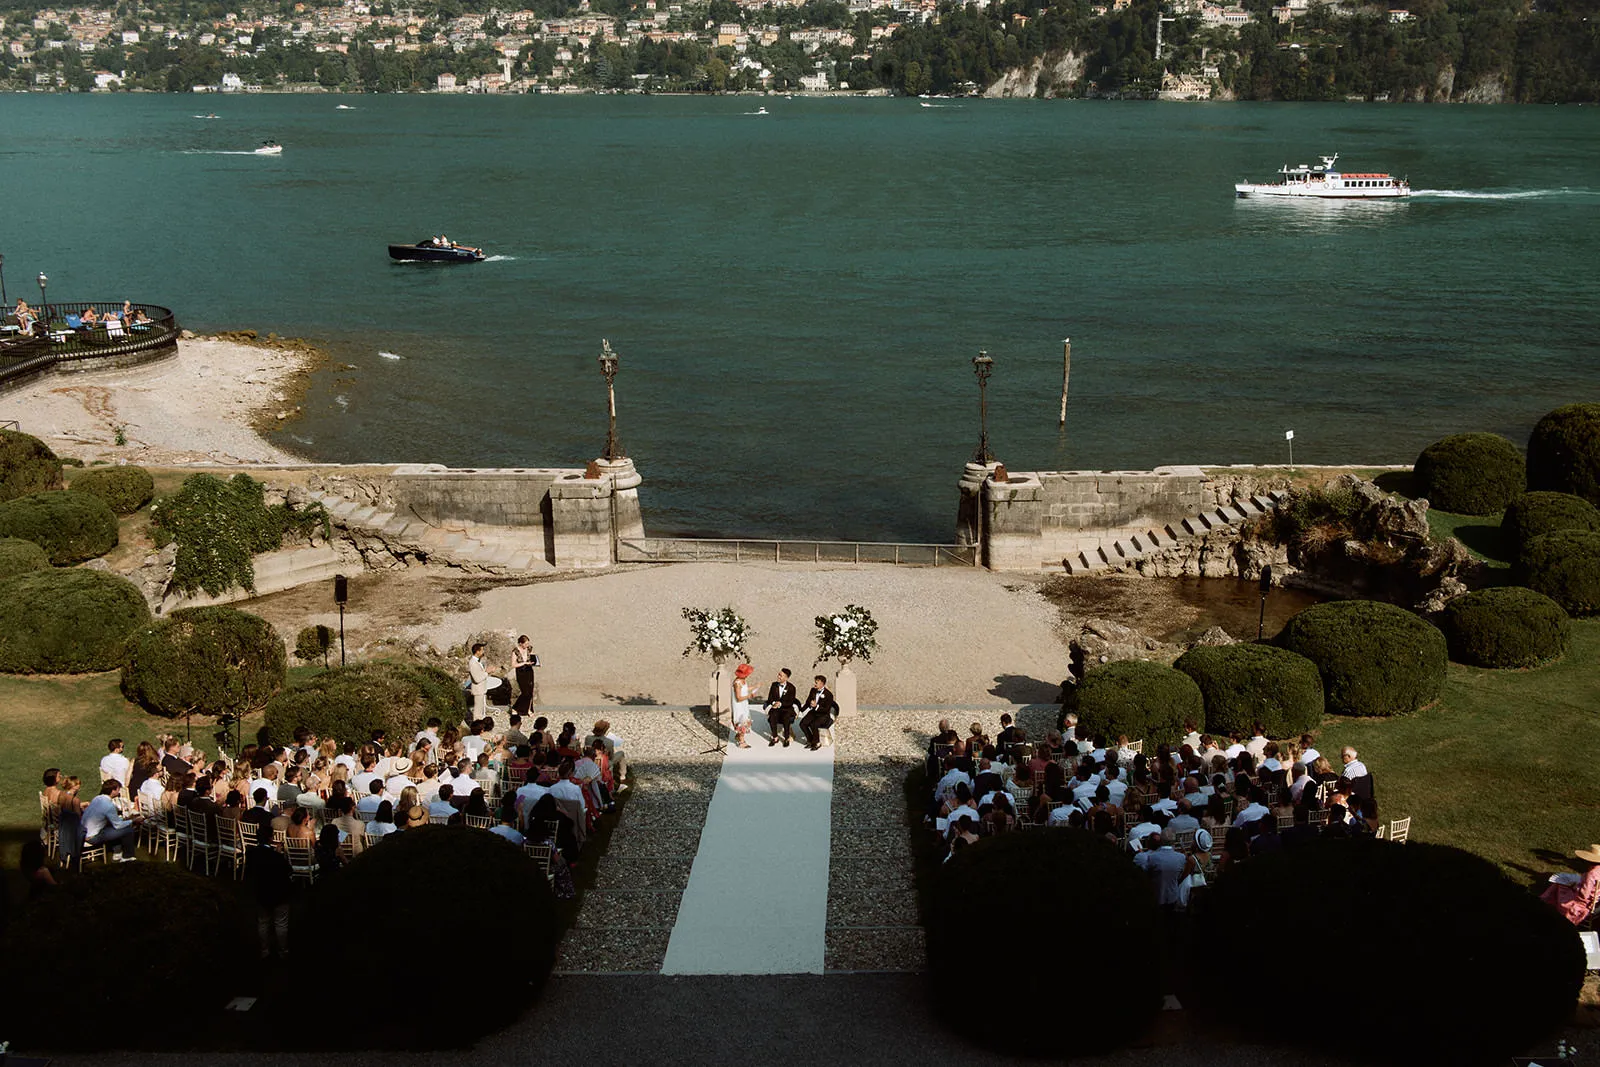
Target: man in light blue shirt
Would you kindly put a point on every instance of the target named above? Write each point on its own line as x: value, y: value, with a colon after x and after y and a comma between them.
x: 104, y: 825
x: 505, y: 828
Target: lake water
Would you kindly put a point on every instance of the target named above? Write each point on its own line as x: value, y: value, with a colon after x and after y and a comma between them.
x: 796, y: 297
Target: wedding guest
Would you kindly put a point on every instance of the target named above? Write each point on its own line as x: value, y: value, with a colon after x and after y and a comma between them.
x: 104, y: 825
x: 1573, y: 895
x: 114, y: 764
x: 522, y: 658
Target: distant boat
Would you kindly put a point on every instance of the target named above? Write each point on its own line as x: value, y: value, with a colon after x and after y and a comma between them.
x: 436, y: 250
x: 343, y: 107
x: 270, y: 148
x: 1323, y: 182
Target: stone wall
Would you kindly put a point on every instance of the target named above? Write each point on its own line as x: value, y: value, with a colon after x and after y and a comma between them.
x: 483, y: 497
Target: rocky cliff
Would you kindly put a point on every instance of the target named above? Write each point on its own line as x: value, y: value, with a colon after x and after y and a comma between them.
x: 1047, y: 76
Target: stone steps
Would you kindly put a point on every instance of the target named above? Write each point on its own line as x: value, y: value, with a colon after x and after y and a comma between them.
x: 493, y: 549
x: 1133, y: 547
x: 274, y: 572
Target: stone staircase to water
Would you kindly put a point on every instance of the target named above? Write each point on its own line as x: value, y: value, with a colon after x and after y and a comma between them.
x: 1130, y: 549
x: 489, y: 549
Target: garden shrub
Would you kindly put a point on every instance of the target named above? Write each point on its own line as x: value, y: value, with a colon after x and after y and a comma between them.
x: 208, y: 661
x: 1565, y: 567
x: 1505, y: 627
x: 66, y: 621
x: 174, y: 933
x: 70, y: 526
x: 219, y: 526
x: 313, y: 642
x: 26, y: 465
x: 348, y: 703
x: 1564, y: 452
x: 1030, y: 881
x: 1482, y: 967
x: 437, y: 866
x: 1470, y: 473
x: 18, y: 557
x: 1246, y: 684
x: 125, y: 489
x: 1312, y: 517
x: 1536, y: 514
x: 1374, y: 658
x: 1145, y: 701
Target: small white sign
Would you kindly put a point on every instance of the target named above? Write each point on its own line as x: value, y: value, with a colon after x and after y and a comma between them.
x: 1288, y: 435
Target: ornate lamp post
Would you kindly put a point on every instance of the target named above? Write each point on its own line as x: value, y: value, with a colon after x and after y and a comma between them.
x: 3, y: 300
x: 983, y: 366
x: 608, y: 367
x: 43, y: 281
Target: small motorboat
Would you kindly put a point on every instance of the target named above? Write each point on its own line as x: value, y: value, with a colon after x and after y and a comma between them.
x: 436, y: 250
x: 270, y: 148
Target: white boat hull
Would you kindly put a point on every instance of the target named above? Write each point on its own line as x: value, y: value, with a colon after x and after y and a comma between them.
x: 1303, y: 191
x: 269, y: 151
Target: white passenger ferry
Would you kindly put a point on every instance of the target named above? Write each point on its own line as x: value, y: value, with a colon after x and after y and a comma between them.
x: 1325, y: 183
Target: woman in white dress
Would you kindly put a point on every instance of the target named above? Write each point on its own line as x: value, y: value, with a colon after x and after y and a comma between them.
x: 741, y: 703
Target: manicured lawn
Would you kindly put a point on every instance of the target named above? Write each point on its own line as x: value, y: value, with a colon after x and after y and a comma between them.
x: 1480, y: 533
x: 1504, y: 765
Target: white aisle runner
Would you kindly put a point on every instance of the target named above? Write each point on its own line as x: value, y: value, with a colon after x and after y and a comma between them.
x: 757, y: 901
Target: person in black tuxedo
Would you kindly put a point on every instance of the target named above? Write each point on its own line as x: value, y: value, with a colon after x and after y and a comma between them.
x: 820, y: 708
x: 783, y: 703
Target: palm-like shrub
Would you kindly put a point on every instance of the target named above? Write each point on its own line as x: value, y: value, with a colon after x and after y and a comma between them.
x: 1246, y: 684
x: 66, y: 621
x: 1374, y: 658
x: 210, y: 661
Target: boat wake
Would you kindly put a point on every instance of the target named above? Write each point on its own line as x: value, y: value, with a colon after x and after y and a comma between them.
x: 342, y: 400
x: 1523, y: 194
x: 221, y: 152
x: 391, y: 355
x: 498, y: 259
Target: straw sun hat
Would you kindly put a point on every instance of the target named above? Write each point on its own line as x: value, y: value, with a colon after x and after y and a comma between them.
x: 1592, y: 854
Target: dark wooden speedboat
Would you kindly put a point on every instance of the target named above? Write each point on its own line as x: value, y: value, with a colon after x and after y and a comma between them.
x: 431, y: 251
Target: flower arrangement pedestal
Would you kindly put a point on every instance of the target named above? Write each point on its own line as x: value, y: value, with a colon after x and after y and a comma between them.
x: 721, y: 697
x: 844, y: 690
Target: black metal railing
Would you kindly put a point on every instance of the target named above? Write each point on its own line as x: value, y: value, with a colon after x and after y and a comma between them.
x: 58, y: 334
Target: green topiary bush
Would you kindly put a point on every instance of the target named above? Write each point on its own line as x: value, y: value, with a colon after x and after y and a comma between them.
x: 19, y: 557
x: 71, y: 527
x: 219, y: 526
x: 1470, y: 473
x: 26, y: 466
x: 66, y: 621
x: 313, y: 642
x: 1374, y: 658
x: 125, y: 489
x: 209, y: 661
x: 1247, y: 684
x: 1033, y: 879
x: 436, y: 866
x: 174, y: 932
x: 348, y: 703
x: 1536, y: 514
x: 1482, y: 966
x: 1564, y: 452
x: 1148, y: 701
x: 1565, y: 567
x: 1505, y: 627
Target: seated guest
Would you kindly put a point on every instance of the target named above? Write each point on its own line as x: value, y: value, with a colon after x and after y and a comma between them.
x: 1167, y: 867
x: 1235, y: 849
x: 399, y: 777
x: 1573, y: 895
x: 261, y: 814
x: 1308, y: 752
x: 1254, y: 810
x: 416, y: 815
x: 350, y: 828
x: 369, y: 803
x: 382, y: 822
x: 114, y: 764
x: 506, y: 827
x: 104, y: 825
x: 1356, y: 771
x: 299, y: 825
x: 1302, y: 832
x: 440, y: 806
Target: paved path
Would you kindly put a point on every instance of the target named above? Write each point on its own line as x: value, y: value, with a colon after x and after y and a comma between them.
x: 757, y: 900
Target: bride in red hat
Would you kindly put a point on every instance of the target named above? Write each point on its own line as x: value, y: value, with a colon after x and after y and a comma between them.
x: 741, y: 702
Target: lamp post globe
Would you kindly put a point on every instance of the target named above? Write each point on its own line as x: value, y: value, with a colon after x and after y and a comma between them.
x: 43, y: 281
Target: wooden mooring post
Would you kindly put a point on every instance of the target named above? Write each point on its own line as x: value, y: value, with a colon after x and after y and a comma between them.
x: 1066, y: 375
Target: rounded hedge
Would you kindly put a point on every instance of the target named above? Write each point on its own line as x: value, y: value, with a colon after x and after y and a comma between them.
x: 1483, y: 967
x: 173, y: 932
x: 208, y: 661
x: 125, y: 489
x: 1536, y: 514
x: 71, y: 527
x: 26, y: 465
x: 313, y: 642
x: 1505, y: 627
x: 348, y: 703
x: 1470, y: 473
x: 67, y: 621
x: 1374, y: 658
x: 19, y: 557
x: 437, y: 866
x: 1564, y: 452
x: 1145, y: 701
x: 1245, y: 684
x: 1565, y: 567
x: 1033, y: 879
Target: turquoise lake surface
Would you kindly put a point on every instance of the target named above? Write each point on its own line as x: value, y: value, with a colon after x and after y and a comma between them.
x: 796, y: 297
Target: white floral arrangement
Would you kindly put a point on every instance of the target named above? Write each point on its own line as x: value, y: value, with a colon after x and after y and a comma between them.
x: 718, y: 634
x: 850, y: 634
